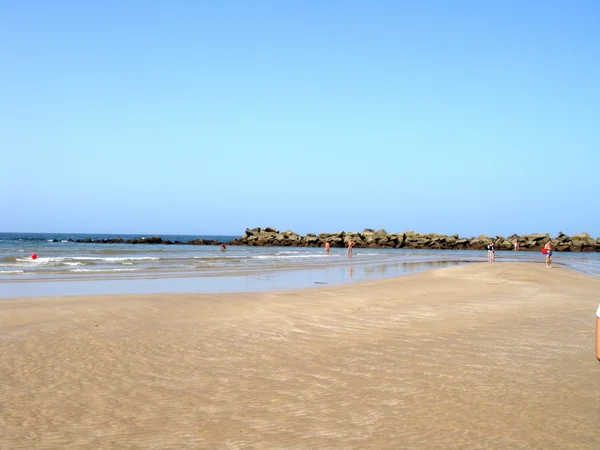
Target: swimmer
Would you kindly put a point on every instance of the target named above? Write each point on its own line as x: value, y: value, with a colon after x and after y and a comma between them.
x: 223, y: 248
x: 327, y: 247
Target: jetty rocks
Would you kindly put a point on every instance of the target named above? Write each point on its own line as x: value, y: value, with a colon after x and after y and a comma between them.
x: 369, y: 238
x: 143, y: 240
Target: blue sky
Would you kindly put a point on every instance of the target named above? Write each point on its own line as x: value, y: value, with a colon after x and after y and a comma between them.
x: 189, y: 117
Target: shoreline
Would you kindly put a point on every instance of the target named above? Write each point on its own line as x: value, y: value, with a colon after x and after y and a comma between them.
x: 472, y: 357
x: 338, y: 271
x: 261, y: 280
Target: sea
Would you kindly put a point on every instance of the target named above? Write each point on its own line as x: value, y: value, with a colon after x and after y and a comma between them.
x: 71, y: 268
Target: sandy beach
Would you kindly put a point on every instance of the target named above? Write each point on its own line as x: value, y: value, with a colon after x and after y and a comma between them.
x: 479, y: 356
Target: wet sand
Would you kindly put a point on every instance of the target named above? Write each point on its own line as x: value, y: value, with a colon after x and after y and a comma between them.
x: 480, y: 356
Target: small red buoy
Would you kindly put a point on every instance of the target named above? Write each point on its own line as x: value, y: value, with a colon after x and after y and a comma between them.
x: 34, y: 256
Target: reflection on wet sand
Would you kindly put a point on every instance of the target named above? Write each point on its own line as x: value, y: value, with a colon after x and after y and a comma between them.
x: 282, y: 279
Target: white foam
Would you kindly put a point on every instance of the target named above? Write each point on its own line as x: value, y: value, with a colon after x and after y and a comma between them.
x: 210, y: 256
x: 39, y: 260
x: 10, y: 271
x: 45, y: 260
x: 116, y: 258
x: 102, y: 270
x: 289, y: 256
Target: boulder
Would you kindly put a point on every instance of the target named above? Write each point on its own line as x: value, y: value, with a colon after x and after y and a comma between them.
x: 536, y: 237
x: 582, y: 236
x: 368, y: 236
x: 252, y: 232
x: 449, y: 242
x: 353, y: 236
x: 312, y: 240
x: 336, y: 241
x: 393, y: 238
x: 479, y: 243
x: 381, y: 236
x: 293, y: 236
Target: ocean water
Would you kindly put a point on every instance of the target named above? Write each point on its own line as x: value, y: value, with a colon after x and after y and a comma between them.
x: 207, y: 269
x: 64, y: 260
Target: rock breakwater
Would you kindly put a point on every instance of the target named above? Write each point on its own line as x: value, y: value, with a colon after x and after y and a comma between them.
x: 143, y: 240
x: 369, y: 238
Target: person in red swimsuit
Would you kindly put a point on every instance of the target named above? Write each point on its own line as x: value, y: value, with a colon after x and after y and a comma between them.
x: 548, y: 248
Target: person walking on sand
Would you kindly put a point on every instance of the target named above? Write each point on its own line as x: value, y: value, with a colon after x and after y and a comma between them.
x: 351, y: 244
x: 548, y: 248
x: 492, y: 252
x: 327, y: 247
x: 598, y: 334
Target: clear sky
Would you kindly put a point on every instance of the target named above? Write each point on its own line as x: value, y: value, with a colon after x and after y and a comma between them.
x: 200, y: 117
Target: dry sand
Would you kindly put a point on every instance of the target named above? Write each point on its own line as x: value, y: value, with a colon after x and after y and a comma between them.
x: 480, y: 356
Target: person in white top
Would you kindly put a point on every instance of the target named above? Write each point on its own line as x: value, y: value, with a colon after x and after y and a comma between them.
x: 598, y: 334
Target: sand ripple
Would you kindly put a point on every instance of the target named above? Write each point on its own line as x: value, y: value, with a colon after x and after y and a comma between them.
x: 486, y: 356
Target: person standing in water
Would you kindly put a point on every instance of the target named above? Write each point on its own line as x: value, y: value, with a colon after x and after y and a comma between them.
x: 517, y: 245
x: 327, y: 247
x: 492, y: 252
x: 223, y: 247
x: 351, y: 244
x: 548, y: 248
